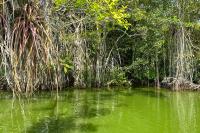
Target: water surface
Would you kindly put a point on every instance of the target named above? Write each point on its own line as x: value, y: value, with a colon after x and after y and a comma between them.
x: 101, y: 111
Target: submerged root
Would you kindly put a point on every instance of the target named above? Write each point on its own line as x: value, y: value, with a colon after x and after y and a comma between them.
x: 179, y: 84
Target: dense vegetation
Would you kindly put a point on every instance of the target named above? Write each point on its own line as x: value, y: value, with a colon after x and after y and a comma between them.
x: 49, y: 44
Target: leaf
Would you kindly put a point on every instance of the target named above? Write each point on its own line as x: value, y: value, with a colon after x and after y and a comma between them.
x: 65, y: 70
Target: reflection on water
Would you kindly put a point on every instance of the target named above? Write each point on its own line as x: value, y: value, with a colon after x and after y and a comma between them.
x: 185, y: 106
x: 79, y: 111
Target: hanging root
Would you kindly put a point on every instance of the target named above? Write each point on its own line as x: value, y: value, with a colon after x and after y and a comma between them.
x: 26, y: 51
x: 182, y: 62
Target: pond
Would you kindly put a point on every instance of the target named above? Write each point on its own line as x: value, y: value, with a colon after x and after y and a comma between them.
x: 128, y: 110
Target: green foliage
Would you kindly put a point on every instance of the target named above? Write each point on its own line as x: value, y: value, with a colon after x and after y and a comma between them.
x: 141, y: 69
x: 139, y: 14
x: 118, y: 78
x: 147, y: 26
x: 58, y: 3
x: 80, y: 3
x: 109, y: 10
x: 66, y: 63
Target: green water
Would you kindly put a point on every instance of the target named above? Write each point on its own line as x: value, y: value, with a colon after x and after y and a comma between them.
x: 120, y: 111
